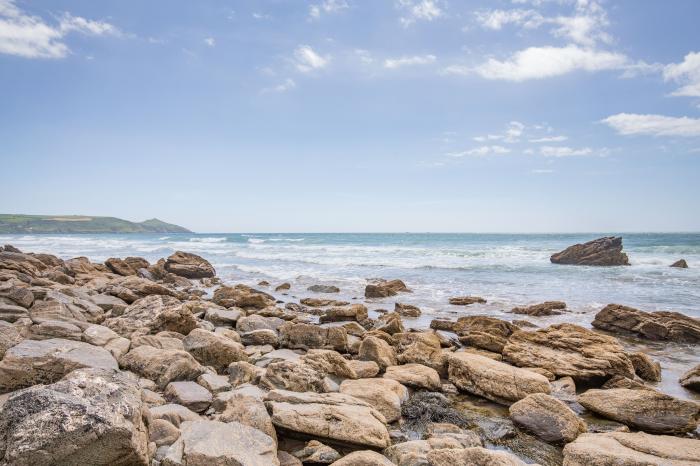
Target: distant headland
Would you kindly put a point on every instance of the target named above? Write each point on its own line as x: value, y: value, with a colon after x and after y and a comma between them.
x: 11, y: 223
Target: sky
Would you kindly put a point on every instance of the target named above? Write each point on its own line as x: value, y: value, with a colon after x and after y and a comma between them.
x: 350, y: 115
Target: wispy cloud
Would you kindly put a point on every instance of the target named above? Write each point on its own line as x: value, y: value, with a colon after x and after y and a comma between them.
x: 629, y: 124
x: 419, y: 10
x: 564, y: 151
x: 549, y: 139
x: 316, y: 10
x: 285, y: 86
x: 480, y: 151
x: 306, y: 59
x: 687, y: 73
x: 210, y: 41
x: 392, y: 63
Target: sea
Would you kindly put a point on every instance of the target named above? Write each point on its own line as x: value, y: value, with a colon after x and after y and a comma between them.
x: 505, y: 269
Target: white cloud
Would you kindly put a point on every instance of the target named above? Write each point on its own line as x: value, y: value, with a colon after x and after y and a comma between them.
x: 481, y: 151
x: 496, y: 19
x: 306, y: 59
x: 688, y: 73
x: 542, y: 170
x: 29, y: 36
x: 285, y: 86
x: 364, y: 55
x: 654, y: 125
x: 549, y: 139
x: 210, y: 41
x: 515, y: 129
x: 563, y: 151
x: 392, y: 63
x: 419, y: 10
x: 326, y: 7
x: 546, y: 62
x: 260, y: 16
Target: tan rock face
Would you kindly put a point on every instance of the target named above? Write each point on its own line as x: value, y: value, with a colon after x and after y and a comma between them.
x: 119, y: 267
x: 474, y: 456
x: 602, y: 251
x: 191, y: 395
x: 161, y: 365
x: 379, y: 351
x: 356, y: 312
x: 331, y: 417
x: 9, y: 337
x: 645, y: 367
x: 484, y: 332
x: 633, y: 449
x: 308, y: 336
x: 385, y: 288
x: 420, y: 348
x: 153, y: 314
x: 690, y: 380
x: 249, y: 411
x: 189, y: 265
x: 242, y: 296
x: 494, y: 380
x: 383, y: 394
x: 414, y: 375
x: 466, y: 300
x: 569, y: 350
x: 547, y: 308
x: 213, y: 350
x: 646, y: 410
x: 363, y: 458
x: 288, y: 375
x: 547, y: 417
x: 660, y: 325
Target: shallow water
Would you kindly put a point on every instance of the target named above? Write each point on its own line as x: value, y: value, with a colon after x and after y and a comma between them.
x: 506, y: 269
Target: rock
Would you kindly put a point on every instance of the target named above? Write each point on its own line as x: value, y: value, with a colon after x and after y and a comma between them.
x: 646, y: 410
x: 569, y: 350
x: 442, y: 430
x: 247, y: 410
x: 225, y: 317
x: 645, y: 367
x: 384, y: 288
x: 384, y: 395
x: 191, y: 395
x: 243, y: 372
x: 153, y: 314
x: 364, y: 369
x: 494, y: 380
x: 659, y: 325
x: 356, y: 312
x: 547, y: 308
x: 389, y: 323
x: 363, y: 458
x: 484, y: 332
x: 407, y: 310
x: 329, y: 362
x: 474, y: 456
x: 317, y: 453
x: 213, y: 350
x: 157, y: 341
x: 443, y: 325
x: 466, y: 300
x: 189, y: 265
x: 323, y: 289
x: 680, y: 263
x: 602, y: 251
x: 307, y: 336
x: 131, y: 289
x: 287, y: 375
x: 173, y: 413
x: 379, y: 351
x: 242, y: 296
x: 287, y: 459
x: 92, y: 417
x: 9, y: 337
x: 691, y: 379
x: 413, y: 452
x: 415, y: 375
x: 256, y: 322
x: 260, y: 337
x: 56, y: 305
x: 619, y: 381
x: 34, y: 362
x: 631, y: 449
x: 119, y: 267
x: 420, y: 348
x: 333, y: 417
x: 18, y: 295
x: 283, y: 287
x: 214, y: 443
x: 321, y: 302
x: 548, y: 418
x: 161, y: 432
x: 161, y: 365
x: 214, y: 383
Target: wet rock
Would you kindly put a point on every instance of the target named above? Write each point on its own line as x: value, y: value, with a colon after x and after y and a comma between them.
x: 242, y: 296
x: 633, y: 449
x: 191, y: 395
x: 331, y: 417
x: 379, y: 351
x: 407, y: 310
x: 389, y: 323
x: 484, y: 332
x: 569, y: 350
x: 425, y: 408
x: 119, y: 267
x: 475, y: 456
x: 323, y: 289
x: 659, y: 325
x: 189, y: 265
x: 363, y: 458
x: 383, y: 394
x: 317, y: 453
x: 161, y: 365
x: 308, y: 336
x: 680, y: 263
x: 602, y: 251
x: 385, y: 288
x: 547, y: 418
x: 322, y: 302
x: 647, y: 410
x: 91, y: 417
x: 691, y: 379
x: 153, y: 314
x: 645, y: 367
x: 356, y: 312
x: 443, y: 324
x: 494, y: 380
x: 292, y: 376
x: 283, y: 287
x: 466, y: 300
x: 414, y: 375
x: 547, y: 308
x: 415, y: 452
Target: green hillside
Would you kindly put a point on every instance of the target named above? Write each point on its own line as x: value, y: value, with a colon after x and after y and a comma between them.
x: 10, y: 223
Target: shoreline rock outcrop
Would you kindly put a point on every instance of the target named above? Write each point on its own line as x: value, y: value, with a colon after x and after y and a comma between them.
x: 660, y: 325
x: 601, y: 252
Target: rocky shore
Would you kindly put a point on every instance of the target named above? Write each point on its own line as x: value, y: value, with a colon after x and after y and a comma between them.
x: 131, y: 363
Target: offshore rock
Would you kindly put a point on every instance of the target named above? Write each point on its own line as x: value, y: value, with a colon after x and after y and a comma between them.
x: 659, y: 325
x: 189, y: 265
x: 602, y: 251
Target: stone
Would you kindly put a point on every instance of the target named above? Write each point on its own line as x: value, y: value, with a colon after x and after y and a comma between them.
x: 474, y: 456
x: 414, y: 375
x: 420, y: 348
x: 248, y: 410
x: 317, y: 453
x: 256, y: 322
x: 661, y: 325
x: 356, y: 312
x: 108, y: 302
x: 389, y: 323
x: 329, y: 362
x: 33, y: 362
x: 322, y: 302
x: 379, y: 351
x: 157, y: 341
x: 213, y: 350
x: 631, y: 449
x: 647, y: 410
x: 91, y: 417
x: 19, y: 295
x: 494, y: 380
x: 161, y: 365
x: 119, y: 267
x: 243, y: 372
x: 191, y: 395
x: 605, y: 251
x: 331, y: 417
x: 283, y: 286
x: 569, y: 350
x: 55, y: 329
x: 363, y: 458
x: 484, y: 332
x: 287, y: 459
x: 323, y: 289
x: 547, y: 308
x: 407, y: 310
x: 385, y: 288
x: 645, y: 367
x: 680, y: 263
x: 224, y: 317
x: 11, y: 312
x: 467, y: 300
x: 242, y: 296
x: 364, y: 369
x: 9, y: 337
x: 548, y: 418
x: 153, y: 314
x: 691, y: 379
x: 214, y: 383
x: 287, y: 375
x: 161, y: 432
x: 131, y: 289
x: 173, y: 413
x: 384, y: 395
x: 308, y: 336
x: 189, y: 265
x: 260, y: 337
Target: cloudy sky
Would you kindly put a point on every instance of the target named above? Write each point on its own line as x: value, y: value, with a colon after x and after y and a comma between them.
x: 352, y: 115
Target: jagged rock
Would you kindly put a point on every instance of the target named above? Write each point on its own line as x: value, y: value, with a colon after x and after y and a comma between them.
x: 242, y: 296
x: 153, y: 314
x: 466, y: 300
x: 213, y: 350
x: 646, y: 410
x: 547, y: 418
x: 332, y: 417
x: 356, y: 312
x: 317, y: 453
x: 322, y: 302
x: 260, y: 337
x: 379, y: 351
x: 363, y: 458
x: 227, y: 317
x: 631, y: 449
x: 34, y: 362
x: 243, y: 372
x: 329, y: 362
x: 494, y: 380
x: 307, y: 336
x: 9, y: 337
x: 248, y: 410
x: 323, y: 289
x: 256, y: 322
x: 92, y: 417
x: 55, y: 329
x: 484, y: 332
x: 161, y: 365
x: 415, y: 375
x: 173, y: 413
x: 56, y: 305
x: 19, y: 295
x: 383, y: 394
x: 474, y: 456
x: 547, y: 308
x: 131, y: 289
x: 680, y: 263
x: 189, y: 265
x: 407, y: 310
x: 11, y: 312
x: 691, y: 379
x: 288, y: 375
x: 119, y: 267
x: 161, y: 432
x: 659, y: 325
x: 384, y: 288
x: 645, y: 367
x: 191, y: 395
x: 389, y: 323
x: 214, y: 383
x: 160, y: 341
x: 602, y: 251
x: 569, y: 350
x: 420, y: 348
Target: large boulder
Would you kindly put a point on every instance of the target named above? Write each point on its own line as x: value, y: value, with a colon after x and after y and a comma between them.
x: 331, y: 362
x: 242, y: 296
x: 484, y: 332
x: 162, y: 366
x: 308, y: 336
x: 384, y: 288
x: 189, y: 265
x: 363, y: 458
x: 690, y: 380
x: 631, y: 449
x: 547, y: 418
x: 34, y: 362
x: 153, y: 314
x: 119, y: 267
x: 473, y: 456
x: 647, y: 410
x: 329, y: 417
x: 569, y: 350
x: 377, y: 350
x: 602, y: 251
x: 9, y: 337
x: 660, y: 325
x: 92, y: 417
x: 494, y: 380
x: 420, y: 348
x: 292, y: 376
x: 383, y: 394
x: 547, y: 308
x: 212, y: 349
x: 415, y: 375
x: 356, y: 312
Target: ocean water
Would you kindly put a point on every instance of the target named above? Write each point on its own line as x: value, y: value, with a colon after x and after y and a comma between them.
x: 506, y: 269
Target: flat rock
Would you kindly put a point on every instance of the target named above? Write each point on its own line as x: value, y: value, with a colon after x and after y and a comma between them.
x: 185, y: 264
x: 474, y: 456
x: 363, y: 458
x: 414, y: 375
x: 161, y: 365
x: 547, y: 308
x: 466, y: 300
x: 191, y: 395
x: 602, y: 251
x: 661, y: 325
x: 211, y: 349
x: 153, y: 314
x: 547, y: 418
x: 383, y: 394
x: 484, y: 332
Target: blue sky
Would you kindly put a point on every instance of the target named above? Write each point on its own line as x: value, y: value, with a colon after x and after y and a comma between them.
x: 348, y: 115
